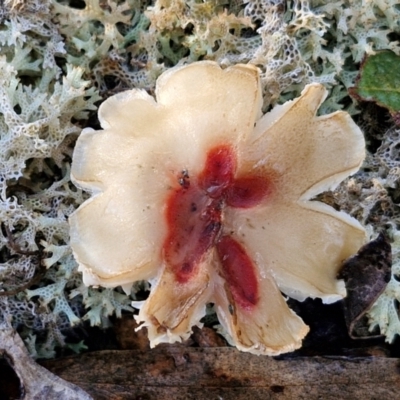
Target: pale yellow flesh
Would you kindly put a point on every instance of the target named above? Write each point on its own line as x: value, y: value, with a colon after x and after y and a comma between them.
x: 132, y: 166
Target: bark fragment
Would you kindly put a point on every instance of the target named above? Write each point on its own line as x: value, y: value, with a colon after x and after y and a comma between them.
x: 366, y: 276
x: 37, y: 383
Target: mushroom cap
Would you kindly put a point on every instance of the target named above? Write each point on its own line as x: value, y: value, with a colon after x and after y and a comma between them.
x: 294, y: 244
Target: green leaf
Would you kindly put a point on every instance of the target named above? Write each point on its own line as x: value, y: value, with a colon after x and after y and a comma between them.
x: 379, y: 81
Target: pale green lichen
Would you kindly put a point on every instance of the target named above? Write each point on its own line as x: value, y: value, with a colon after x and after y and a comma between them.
x: 384, y: 314
x: 372, y: 196
x: 56, y: 56
x: 42, y: 108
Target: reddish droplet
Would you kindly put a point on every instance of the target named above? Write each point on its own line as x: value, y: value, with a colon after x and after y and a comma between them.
x: 193, y: 221
x: 238, y: 270
x: 194, y: 217
x: 247, y: 192
x: 218, y: 171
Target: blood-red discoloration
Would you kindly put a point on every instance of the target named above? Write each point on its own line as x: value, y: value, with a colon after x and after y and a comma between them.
x: 247, y: 192
x: 218, y: 171
x: 194, y: 220
x: 238, y: 271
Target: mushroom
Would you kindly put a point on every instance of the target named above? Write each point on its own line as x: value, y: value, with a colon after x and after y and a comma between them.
x: 211, y: 202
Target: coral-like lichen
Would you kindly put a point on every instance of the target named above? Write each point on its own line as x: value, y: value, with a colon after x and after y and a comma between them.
x: 128, y: 44
x: 41, y: 109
